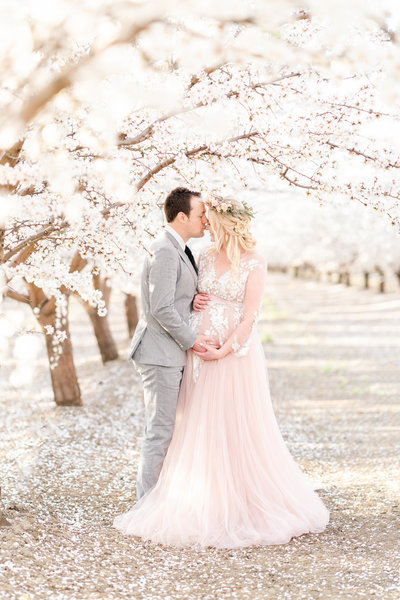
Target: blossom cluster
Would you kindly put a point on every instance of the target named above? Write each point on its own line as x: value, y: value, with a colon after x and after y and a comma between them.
x: 103, y: 120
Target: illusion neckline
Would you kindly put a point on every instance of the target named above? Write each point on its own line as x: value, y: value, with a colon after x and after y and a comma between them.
x: 214, y: 256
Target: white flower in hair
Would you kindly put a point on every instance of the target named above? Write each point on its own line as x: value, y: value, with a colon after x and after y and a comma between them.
x: 223, y: 205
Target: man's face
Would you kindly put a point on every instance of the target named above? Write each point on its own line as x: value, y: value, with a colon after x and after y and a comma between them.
x: 197, y: 220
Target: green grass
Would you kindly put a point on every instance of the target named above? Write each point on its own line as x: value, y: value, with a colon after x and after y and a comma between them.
x: 266, y: 338
x: 270, y: 309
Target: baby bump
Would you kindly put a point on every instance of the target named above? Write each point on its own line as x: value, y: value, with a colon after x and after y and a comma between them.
x: 218, y: 320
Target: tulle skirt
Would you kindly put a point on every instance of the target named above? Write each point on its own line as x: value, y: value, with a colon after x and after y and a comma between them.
x: 228, y: 479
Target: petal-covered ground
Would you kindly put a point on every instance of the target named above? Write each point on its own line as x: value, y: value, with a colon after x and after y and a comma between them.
x: 333, y: 355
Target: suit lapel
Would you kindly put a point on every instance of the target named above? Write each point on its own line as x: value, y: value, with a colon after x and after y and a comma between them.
x: 182, y: 254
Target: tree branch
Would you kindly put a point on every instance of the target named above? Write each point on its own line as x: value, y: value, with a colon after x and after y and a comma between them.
x: 263, y: 162
x: 45, y: 232
x: 169, y: 161
x: 11, y: 156
x: 148, y: 131
x: 2, y: 237
x: 77, y: 263
x: 296, y: 183
x: 42, y: 234
x: 36, y: 102
x: 358, y: 108
x: 11, y: 293
x: 359, y: 153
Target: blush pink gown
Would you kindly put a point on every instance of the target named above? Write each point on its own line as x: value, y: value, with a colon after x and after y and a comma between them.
x: 228, y: 479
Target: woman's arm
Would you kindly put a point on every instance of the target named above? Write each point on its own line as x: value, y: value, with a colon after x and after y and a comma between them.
x: 239, y: 341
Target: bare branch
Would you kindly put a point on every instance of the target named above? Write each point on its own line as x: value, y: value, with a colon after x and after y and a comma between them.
x: 11, y: 293
x: 277, y: 80
x: 359, y: 153
x: 359, y: 109
x: 296, y: 183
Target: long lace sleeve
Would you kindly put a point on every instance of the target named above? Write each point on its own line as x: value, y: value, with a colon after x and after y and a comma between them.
x: 239, y: 341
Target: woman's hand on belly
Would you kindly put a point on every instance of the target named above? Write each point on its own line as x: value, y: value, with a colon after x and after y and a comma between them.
x: 211, y: 352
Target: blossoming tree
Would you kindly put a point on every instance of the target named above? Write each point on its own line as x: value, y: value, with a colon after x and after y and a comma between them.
x: 105, y: 108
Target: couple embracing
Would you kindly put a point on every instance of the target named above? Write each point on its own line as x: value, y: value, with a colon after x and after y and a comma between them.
x: 214, y: 469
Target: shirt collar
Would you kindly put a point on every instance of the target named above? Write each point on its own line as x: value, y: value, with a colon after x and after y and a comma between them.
x: 176, y: 236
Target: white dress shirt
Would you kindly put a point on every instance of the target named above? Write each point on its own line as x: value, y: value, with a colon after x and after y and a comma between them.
x: 176, y: 235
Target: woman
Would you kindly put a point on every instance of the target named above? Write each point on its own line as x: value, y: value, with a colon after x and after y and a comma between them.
x: 228, y: 479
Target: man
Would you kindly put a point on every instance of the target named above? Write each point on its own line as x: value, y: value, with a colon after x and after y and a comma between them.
x: 162, y: 336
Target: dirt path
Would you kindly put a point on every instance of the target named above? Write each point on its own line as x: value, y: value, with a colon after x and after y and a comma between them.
x: 333, y: 356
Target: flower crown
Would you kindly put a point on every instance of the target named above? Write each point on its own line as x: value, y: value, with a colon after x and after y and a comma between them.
x: 224, y: 205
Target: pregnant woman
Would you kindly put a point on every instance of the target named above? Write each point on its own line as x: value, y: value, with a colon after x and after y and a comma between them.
x: 228, y: 479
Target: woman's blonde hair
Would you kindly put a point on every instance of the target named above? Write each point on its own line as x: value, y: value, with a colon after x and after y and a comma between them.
x: 231, y: 230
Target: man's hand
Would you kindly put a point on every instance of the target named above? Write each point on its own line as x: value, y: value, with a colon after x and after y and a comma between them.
x: 200, y: 344
x: 200, y: 302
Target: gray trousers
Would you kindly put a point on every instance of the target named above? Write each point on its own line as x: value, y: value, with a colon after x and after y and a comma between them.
x: 161, y: 388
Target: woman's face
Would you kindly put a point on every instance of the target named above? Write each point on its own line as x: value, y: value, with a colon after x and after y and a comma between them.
x: 212, y: 236
x: 210, y: 228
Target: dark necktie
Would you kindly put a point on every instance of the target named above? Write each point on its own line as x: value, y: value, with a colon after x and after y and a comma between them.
x: 190, y: 256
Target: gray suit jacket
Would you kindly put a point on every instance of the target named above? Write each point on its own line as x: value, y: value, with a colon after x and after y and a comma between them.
x: 169, y: 282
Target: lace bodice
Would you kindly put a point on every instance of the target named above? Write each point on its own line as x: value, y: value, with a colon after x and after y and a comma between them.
x: 235, y: 301
x: 226, y: 286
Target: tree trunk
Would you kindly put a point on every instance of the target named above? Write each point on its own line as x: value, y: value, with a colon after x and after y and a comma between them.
x: 366, y: 280
x: 131, y: 312
x: 382, y: 286
x: 63, y: 375
x: 347, y: 278
x: 105, y: 341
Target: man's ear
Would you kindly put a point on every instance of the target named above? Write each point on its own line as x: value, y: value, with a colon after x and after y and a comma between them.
x: 181, y: 217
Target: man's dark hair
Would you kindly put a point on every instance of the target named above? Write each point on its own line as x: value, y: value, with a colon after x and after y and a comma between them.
x: 178, y: 201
